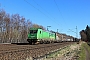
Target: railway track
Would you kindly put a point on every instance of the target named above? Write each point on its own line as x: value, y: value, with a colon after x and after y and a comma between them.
x: 34, y: 51
x: 8, y: 47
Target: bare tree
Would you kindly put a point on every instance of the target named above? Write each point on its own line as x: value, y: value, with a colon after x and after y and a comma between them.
x: 2, y: 25
x: 15, y: 19
x: 38, y: 26
x: 7, y: 27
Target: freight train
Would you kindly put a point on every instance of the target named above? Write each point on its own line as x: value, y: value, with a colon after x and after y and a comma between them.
x: 37, y: 35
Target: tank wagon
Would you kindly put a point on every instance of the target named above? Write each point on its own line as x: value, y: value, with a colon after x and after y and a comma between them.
x: 37, y: 35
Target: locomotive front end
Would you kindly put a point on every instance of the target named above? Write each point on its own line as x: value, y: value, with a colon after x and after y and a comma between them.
x: 32, y: 36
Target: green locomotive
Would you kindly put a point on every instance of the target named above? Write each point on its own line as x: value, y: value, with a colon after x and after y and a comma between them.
x: 37, y: 35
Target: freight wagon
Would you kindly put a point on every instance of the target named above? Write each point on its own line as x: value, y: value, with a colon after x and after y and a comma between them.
x: 37, y: 35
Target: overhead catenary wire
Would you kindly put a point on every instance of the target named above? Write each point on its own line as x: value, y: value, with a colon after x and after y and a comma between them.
x: 58, y: 9
x: 39, y: 10
x: 44, y: 10
x: 35, y: 8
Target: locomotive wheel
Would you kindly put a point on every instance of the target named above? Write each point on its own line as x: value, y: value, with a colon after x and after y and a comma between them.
x: 30, y: 43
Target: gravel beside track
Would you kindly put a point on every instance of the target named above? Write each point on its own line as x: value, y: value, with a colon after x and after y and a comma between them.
x: 22, y: 52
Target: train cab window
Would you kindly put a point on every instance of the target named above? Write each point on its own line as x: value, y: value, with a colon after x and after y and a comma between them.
x: 33, y: 31
x: 40, y: 32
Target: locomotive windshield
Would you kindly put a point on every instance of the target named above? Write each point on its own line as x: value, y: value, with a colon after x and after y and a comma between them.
x: 33, y: 31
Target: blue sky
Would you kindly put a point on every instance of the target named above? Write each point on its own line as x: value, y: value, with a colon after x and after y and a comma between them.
x: 59, y: 14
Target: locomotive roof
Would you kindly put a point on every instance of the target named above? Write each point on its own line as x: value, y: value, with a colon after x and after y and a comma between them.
x: 49, y: 31
x: 34, y: 28
x: 43, y: 30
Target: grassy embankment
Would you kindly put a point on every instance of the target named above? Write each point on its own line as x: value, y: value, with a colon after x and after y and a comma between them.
x: 82, y: 54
